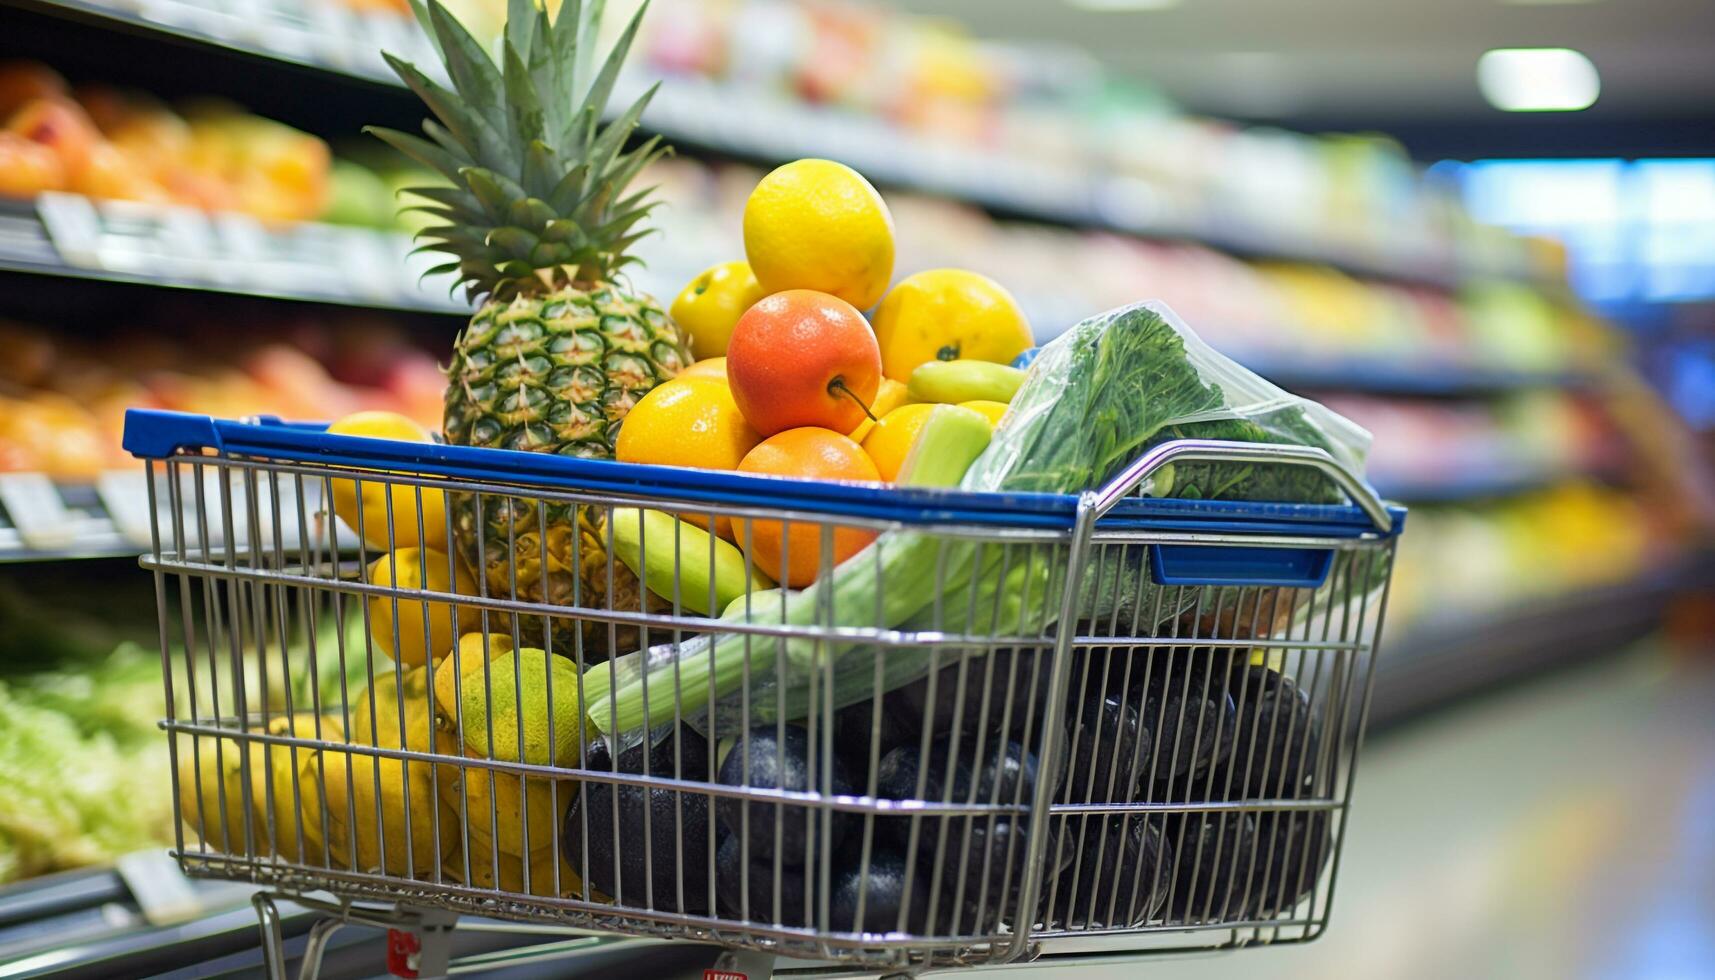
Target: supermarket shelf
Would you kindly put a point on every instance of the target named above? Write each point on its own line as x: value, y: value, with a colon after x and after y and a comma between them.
x: 123, y: 241
x: 317, y: 34
x: 751, y: 124
x: 43, y: 520
x: 1440, y: 659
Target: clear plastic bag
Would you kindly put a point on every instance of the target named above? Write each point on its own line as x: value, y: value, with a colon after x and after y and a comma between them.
x: 1095, y: 399
x: 1068, y: 430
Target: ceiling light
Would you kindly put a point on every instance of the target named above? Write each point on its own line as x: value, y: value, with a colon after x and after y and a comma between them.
x: 1123, y: 4
x: 1538, y: 79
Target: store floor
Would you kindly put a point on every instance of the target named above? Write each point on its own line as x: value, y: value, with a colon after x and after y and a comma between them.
x: 1565, y: 830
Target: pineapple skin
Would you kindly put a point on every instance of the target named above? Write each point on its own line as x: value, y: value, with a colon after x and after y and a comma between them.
x: 556, y: 373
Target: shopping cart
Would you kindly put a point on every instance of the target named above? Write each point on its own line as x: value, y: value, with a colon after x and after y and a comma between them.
x: 1158, y: 757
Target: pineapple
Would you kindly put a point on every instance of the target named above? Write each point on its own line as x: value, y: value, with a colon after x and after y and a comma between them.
x: 537, y: 224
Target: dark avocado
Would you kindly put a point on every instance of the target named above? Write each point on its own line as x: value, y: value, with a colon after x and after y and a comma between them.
x: 882, y: 888
x: 1213, y: 863
x: 731, y: 884
x: 1015, y: 682
x: 1278, y: 737
x: 676, y: 827
x: 980, y: 848
x: 853, y: 725
x: 1120, y: 875
x: 1109, y: 752
x: 762, y: 759
x: 1293, y: 847
x: 1190, y: 723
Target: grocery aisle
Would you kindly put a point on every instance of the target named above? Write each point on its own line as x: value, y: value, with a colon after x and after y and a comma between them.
x: 873, y: 257
x: 1564, y: 831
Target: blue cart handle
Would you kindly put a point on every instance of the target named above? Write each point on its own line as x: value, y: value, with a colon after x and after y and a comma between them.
x: 1223, y: 451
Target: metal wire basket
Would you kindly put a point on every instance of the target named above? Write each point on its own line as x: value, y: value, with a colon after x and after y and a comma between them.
x: 1159, y: 757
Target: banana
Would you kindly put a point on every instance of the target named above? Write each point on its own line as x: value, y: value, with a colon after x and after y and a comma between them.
x: 707, y: 581
x: 964, y: 381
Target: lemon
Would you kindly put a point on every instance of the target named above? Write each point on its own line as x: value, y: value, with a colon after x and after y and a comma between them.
x: 499, y: 804
x: 404, y: 569
x: 505, y: 709
x: 472, y: 646
x: 709, y: 305
x: 993, y: 411
x: 211, y: 794
x: 407, y: 531
x: 816, y: 224
x: 945, y: 315
x: 687, y: 422
x: 888, y: 397
x: 284, y: 796
x: 890, y: 441
x: 483, y: 865
x: 369, y: 824
x: 522, y: 694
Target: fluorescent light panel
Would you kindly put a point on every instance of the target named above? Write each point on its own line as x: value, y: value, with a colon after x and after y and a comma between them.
x: 1538, y: 79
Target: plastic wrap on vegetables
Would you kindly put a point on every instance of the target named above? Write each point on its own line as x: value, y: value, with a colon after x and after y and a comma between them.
x: 1095, y: 399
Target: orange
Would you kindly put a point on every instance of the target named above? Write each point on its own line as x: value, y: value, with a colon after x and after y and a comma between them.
x: 888, y: 397
x: 890, y: 440
x: 708, y: 367
x: 688, y: 421
x: 802, y: 358
x: 794, y: 556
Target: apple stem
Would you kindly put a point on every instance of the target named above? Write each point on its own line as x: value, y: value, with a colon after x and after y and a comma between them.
x: 838, y: 386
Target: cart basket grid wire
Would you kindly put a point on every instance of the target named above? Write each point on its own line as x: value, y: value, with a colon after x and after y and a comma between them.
x: 408, y: 673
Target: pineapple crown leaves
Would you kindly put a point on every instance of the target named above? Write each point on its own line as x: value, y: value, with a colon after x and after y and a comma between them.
x: 537, y: 194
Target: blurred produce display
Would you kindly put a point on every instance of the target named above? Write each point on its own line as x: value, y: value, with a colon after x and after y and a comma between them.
x: 932, y: 86
x: 63, y: 400
x: 111, y: 143
x: 1459, y: 563
x: 83, y: 763
x: 81, y: 755
x: 1534, y: 437
x: 122, y: 144
x: 79, y: 699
